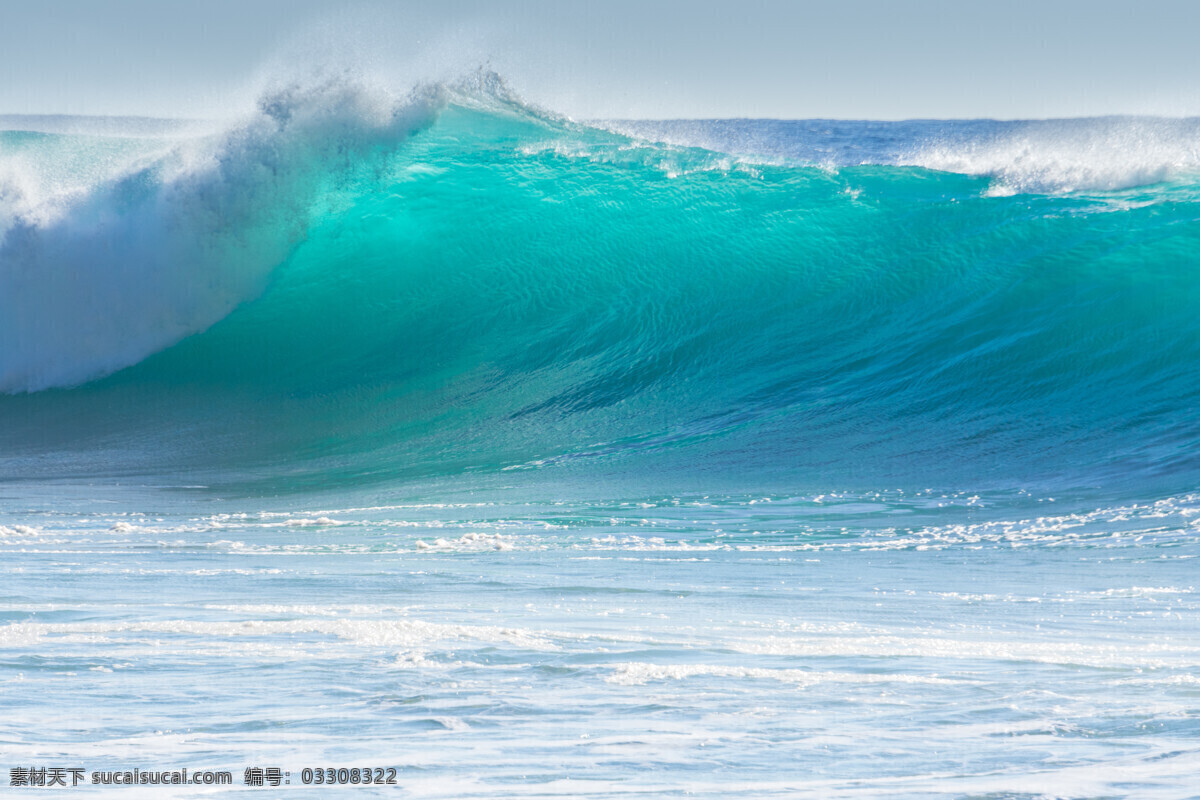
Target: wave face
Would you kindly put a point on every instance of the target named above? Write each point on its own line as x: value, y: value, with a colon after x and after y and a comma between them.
x: 348, y: 286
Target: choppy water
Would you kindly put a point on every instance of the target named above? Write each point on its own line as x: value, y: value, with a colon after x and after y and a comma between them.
x: 545, y: 459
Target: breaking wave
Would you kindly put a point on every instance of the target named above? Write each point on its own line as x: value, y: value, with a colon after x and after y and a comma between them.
x: 349, y: 284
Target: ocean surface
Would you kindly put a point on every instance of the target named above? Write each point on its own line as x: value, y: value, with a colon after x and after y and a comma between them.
x: 431, y: 431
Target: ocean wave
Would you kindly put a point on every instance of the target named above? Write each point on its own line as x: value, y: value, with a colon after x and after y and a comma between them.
x: 1057, y: 156
x: 97, y: 277
x: 358, y: 285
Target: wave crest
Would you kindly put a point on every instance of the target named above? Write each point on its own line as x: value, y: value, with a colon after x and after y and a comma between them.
x: 96, y: 278
x: 1070, y: 156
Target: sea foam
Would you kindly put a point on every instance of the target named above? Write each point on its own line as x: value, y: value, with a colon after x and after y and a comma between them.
x: 94, y: 278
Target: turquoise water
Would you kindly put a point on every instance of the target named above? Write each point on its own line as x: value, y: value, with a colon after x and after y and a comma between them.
x: 531, y: 457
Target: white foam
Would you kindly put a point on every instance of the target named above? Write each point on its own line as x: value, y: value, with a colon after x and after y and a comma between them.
x: 378, y: 632
x: 305, y: 522
x: 1060, y: 156
x: 1147, y: 654
x: 96, y: 279
x: 468, y: 542
x: 635, y: 673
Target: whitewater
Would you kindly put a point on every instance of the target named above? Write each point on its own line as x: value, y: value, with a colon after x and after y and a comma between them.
x: 425, y: 429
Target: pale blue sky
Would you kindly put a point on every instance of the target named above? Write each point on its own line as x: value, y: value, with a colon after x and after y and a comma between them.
x: 847, y: 59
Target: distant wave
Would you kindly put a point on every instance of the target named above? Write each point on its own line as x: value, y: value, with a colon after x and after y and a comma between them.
x: 1101, y: 155
x: 1028, y: 156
